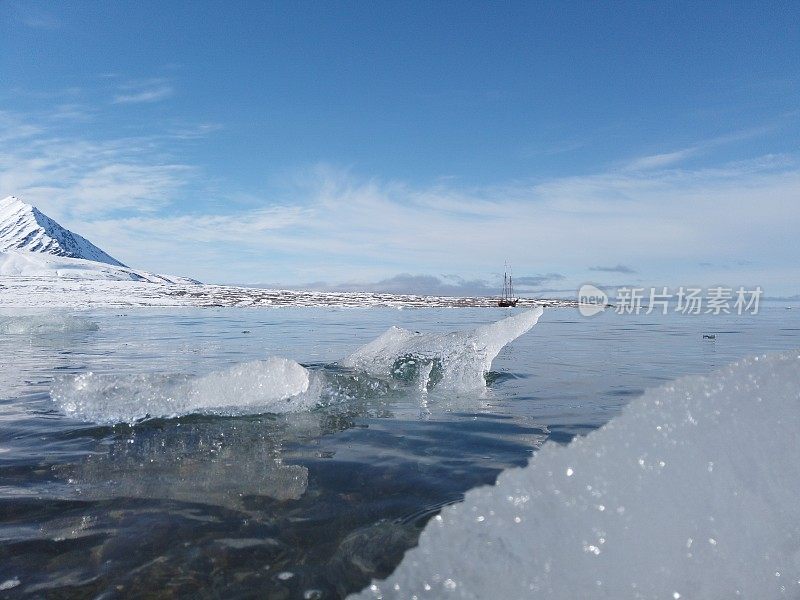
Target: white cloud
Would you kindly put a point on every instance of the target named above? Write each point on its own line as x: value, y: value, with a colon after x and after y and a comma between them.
x: 70, y: 177
x: 330, y: 225
x: 83, y: 178
x: 15, y: 130
x: 342, y: 228
x: 667, y: 159
x: 151, y: 95
x: 238, y: 229
x: 146, y: 90
x: 659, y: 161
x: 192, y: 132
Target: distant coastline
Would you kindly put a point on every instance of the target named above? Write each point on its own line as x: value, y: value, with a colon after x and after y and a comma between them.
x: 43, y: 291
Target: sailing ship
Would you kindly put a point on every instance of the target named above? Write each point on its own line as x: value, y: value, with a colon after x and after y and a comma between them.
x: 508, y: 298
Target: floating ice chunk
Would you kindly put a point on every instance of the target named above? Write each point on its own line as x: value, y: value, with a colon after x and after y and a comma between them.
x: 45, y: 324
x: 455, y: 361
x: 459, y: 359
x: 275, y: 385
x: 9, y: 583
x: 633, y: 510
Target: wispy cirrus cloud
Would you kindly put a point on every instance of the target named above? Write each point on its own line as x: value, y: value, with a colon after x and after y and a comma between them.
x: 659, y: 161
x: 329, y: 224
x: 72, y: 176
x: 240, y: 229
x: 193, y: 132
x: 155, y: 94
x: 339, y: 227
x: 16, y: 130
x: 145, y: 91
x: 668, y: 159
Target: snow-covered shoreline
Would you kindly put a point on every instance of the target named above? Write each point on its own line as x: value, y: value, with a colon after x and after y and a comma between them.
x: 61, y: 292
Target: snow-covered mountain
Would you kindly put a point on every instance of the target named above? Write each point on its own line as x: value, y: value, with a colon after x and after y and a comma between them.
x: 35, y: 247
x: 40, y: 266
x: 24, y: 227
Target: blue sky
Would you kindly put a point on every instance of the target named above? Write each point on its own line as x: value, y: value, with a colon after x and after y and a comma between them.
x: 418, y: 145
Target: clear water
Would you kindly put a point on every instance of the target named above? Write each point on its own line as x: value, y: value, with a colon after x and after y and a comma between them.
x: 312, y: 504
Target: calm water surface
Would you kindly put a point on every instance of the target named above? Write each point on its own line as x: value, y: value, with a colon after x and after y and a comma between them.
x: 305, y: 505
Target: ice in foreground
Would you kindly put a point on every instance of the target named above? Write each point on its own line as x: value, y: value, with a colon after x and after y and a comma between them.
x: 691, y: 493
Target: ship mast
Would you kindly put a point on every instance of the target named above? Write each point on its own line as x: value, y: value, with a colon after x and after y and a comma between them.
x: 507, y: 299
x: 508, y: 284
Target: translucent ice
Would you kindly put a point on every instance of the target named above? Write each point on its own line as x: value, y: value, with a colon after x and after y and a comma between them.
x: 455, y: 361
x: 691, y: 493
x: 274, y: 385
x: 398, y: 358
x: 45, y: 324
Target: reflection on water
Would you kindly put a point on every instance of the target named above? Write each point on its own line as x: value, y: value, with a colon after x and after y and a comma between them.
x: 214, y: 462
x: 305, y: 505
x: 300, y: 504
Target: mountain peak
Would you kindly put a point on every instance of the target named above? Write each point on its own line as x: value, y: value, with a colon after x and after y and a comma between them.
x: 9, y: 200
x: 25, y: 227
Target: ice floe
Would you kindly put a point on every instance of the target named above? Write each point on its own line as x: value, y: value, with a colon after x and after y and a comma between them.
x: 398, y: 359
x: 457, y: 360
x: 45, y: 324
x: 275, y: 385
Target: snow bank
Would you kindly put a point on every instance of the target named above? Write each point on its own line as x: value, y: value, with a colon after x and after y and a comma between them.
x: 276, y: 385
x: 45, y: 324
x: 456, y: 361
x: 691, y: 493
